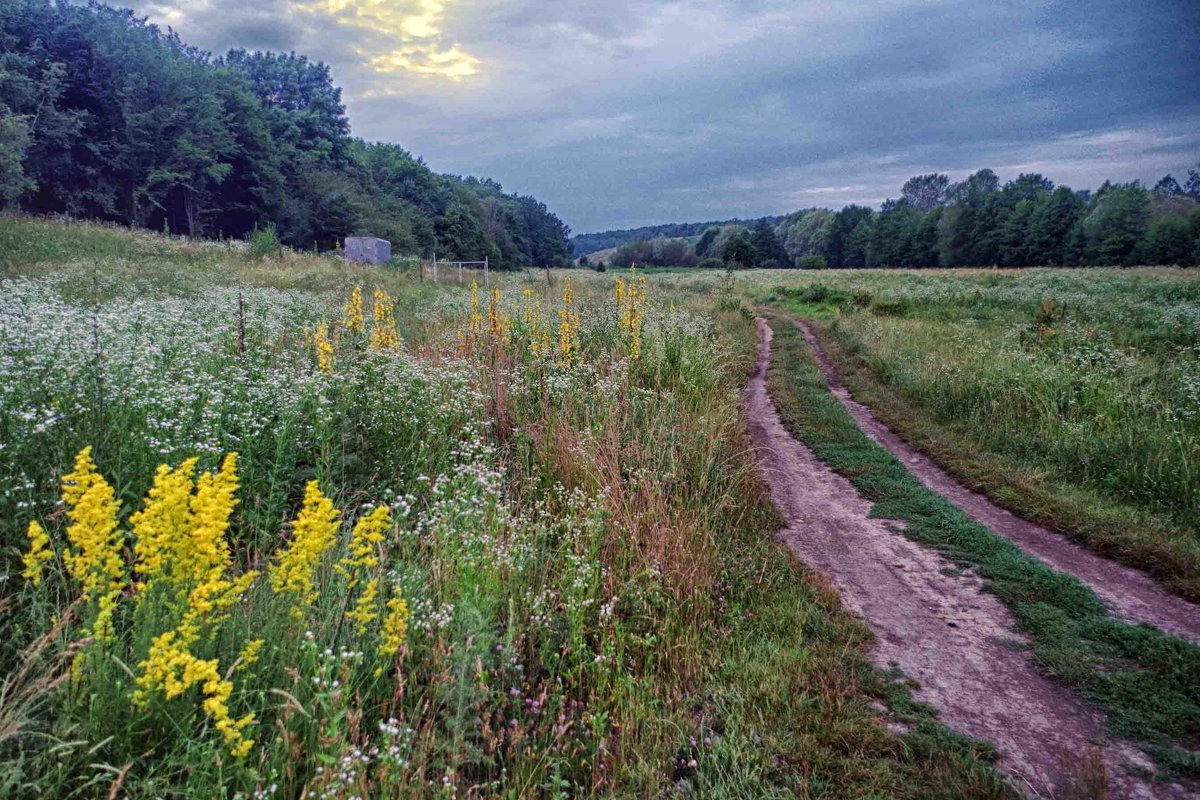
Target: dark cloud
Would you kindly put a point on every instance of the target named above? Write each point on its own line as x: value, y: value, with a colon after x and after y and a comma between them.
x: 621, y: 113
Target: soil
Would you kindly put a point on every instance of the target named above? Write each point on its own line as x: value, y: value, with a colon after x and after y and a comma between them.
x: 1131, y: 595
x: 959, y: 644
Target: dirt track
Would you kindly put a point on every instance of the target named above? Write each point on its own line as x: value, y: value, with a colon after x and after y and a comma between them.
x: 943, y: 631
x: 1131, y: 595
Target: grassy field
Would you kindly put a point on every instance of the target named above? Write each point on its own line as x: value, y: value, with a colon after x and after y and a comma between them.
x: 1147, y: 682
x: 1071, y: 396
x: 471, y: 545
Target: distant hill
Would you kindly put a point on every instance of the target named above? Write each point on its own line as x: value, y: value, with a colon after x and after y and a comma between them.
x: 588, y: 243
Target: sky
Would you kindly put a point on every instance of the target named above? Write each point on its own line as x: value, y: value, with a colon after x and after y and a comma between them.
x: 619, y: 114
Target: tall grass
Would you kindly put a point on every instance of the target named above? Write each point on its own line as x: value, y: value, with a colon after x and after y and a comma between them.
x: 1145, y: 680
x: 1071, y: 396
x: 592, y: 604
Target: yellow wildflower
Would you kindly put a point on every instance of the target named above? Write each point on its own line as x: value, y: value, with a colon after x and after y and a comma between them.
x: 631, y: 310
x: 353, y: 316
x: 205, y: 549
x: 395, y: 626
x: 209, y: 600
x: 366, y: 608
x: 250, y: 654
x: 39, y: 553
x: 314, y: 532
x: 384, y: 335
x: 172, y: 669
x: 96, y: 559
x: 368, y: 534
x: 164, y: 525
x: 495, y: 322
x: 324, y: 349
x: 476, y: 319
x: 568, y: 327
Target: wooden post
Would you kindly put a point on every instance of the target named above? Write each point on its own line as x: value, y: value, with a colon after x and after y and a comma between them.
x: 460, y: 273
x: 435, y: 275
x: 487, y: 280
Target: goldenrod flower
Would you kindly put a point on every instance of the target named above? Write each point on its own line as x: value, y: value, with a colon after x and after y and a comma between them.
x: 631, y: 310
x: 96, y: 560
x: 476, y: 319
x: 495, y: 322
x: 324, y: 349
x: 567, y: 329
x: 384, y: 335
x: 205, y: 549
x: 353, y: 316
x: 162, y: 528
x: 39, y: 553
x: 395, y: 626
x: 366, y: 608
x: 172, y: 669
x: 314, y: 532
x: 368, y: 534
x: 250, y: 653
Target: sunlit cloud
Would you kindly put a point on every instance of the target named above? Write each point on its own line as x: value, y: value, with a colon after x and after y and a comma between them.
x: 400, y: 36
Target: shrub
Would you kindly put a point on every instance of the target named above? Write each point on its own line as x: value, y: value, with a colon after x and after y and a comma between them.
x: 264, y: 242
x: 817, y: 293
x: 711, y: 263
x: 814, y: 261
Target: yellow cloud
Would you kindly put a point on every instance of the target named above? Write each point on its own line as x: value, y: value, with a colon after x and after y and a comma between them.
x: 405, y: 35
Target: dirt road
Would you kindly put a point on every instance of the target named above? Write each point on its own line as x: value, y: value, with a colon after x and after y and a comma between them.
x: 1131, y: 595
x: 941, y: 630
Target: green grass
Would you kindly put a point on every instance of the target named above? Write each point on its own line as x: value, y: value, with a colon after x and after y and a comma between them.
x: 599, y: 608
x: 1148, y: 683
x: 1070, y: 396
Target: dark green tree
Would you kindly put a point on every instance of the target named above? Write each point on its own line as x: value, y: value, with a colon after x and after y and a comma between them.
x: 926, y: 192
x: 738, y: 250
x: 768, y: 250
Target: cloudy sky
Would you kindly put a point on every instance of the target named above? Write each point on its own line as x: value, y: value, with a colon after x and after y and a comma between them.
x: 619, y: 113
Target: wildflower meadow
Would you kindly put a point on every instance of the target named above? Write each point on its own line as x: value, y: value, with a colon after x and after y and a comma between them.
x: 289, y: 528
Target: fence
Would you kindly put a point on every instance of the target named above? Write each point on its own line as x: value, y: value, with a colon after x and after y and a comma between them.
x: 457, y: 269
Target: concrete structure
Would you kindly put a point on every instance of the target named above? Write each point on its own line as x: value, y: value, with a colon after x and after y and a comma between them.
x: 368, y: 249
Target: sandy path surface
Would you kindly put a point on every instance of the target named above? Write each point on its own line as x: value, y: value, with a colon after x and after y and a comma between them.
x: 943, y: 631
x: 1131, y: 595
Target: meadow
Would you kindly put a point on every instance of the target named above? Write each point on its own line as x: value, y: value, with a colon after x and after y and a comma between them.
x: 1070, y: 396
x: 287, y: 528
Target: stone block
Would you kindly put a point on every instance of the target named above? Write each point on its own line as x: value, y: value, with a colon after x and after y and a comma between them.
x: 368, y: 250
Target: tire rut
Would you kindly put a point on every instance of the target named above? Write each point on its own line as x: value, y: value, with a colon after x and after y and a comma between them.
x: 959, y: 644
x: 1130, y: 594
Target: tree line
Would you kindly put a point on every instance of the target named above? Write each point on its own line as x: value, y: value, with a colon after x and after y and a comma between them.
x: 587, y: 243
x: 105, y: 116
x: 977, y: 222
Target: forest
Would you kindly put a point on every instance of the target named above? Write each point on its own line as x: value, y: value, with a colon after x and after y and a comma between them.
x: 104, y: 116
x: 977, y: 222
